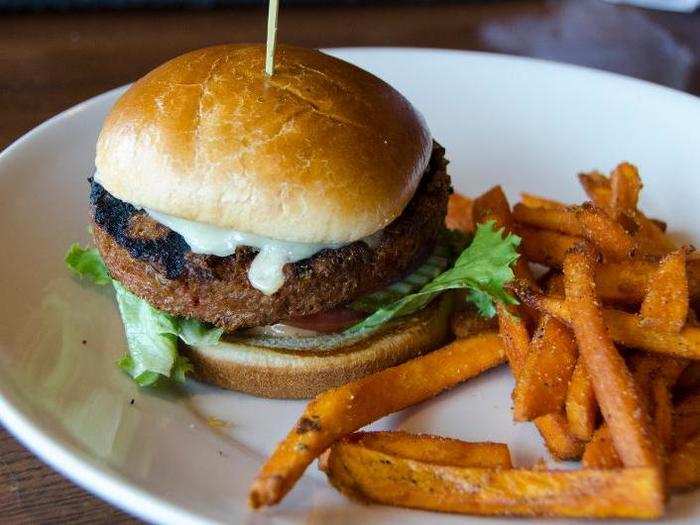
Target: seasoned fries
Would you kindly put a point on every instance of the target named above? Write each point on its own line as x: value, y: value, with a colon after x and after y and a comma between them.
x: 340, y: 411
x: 625, y: 186
x: 468, y: 322
x: 612, y: 276
x: 686, y: 419
x: 613, y: 384
x: 543, y: 381
x: 435, y: 449
x: 665, y: 305
x: 559, y: 220
x: 554, y: 429
x: 369, y: 475
x: 581, y: 406
x: 494, y: 206
x: 537, y: 201
x: 625, y: 328
x: 597, y: 187
x: 545, y: 247
x: 459, y: 213
x: 607, y: 235
x: 683, y: 471
x: 600, y: 451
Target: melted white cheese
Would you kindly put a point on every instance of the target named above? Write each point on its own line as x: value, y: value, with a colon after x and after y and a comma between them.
x: 265, y: 273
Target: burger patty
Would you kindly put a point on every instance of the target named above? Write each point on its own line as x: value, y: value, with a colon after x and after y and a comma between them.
x: 156, y: 263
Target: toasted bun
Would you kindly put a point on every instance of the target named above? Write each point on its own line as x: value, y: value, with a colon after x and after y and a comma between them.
x: 321, y: 151
x: 273, y: 373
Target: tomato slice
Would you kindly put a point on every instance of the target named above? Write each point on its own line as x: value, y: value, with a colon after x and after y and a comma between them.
x: 330, y: 321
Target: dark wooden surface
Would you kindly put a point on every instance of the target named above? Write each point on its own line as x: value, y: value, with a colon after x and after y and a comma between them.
x: 48, y: 62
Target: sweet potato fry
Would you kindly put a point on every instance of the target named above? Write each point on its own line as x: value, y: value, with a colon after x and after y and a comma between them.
x: 340, y: 411
x: 468, y: 322
x: 545, y: 247
x: 597, y: 187
x: 493, y: 205
x: 625, y: 328
x: 683, y: 470
x: 536, y: 201
x: 542, y: 383
x: 607, y: 235
x: 600, y: 452
x: 459, y: 213
x: 686, y: 419
x: 665, y: 306
x: 613, y: 384
x: 581, y: 405
x: 373, y: 476
x: 689, y: 379
x: 627, y: 281
x: 625, y: 185
x: 662, y: 411
x: 650, y: 238
x: 557, y: 437
x: 554, y: 219
x: 629, y: 330
x: 437, y: 450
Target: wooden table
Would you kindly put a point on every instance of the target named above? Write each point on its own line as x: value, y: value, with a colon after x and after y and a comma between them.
x: 48, y: 62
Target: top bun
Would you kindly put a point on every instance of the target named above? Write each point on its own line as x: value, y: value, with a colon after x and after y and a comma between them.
x: 320, y: 152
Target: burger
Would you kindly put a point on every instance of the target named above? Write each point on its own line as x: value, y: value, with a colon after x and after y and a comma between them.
x: 256, y: 227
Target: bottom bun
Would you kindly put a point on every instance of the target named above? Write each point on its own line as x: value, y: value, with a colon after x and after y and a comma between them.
x: 276, y: 373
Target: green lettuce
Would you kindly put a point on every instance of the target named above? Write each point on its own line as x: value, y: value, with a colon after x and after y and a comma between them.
x: 483, y: 268
x: 151, y: 335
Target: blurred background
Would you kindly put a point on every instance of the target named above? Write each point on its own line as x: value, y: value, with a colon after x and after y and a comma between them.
x: 56, y: 53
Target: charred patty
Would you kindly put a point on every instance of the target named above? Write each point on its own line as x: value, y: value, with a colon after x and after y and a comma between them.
x: 156, y: 263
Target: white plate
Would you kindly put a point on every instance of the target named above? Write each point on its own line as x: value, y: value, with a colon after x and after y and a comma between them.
x: 526, y: 124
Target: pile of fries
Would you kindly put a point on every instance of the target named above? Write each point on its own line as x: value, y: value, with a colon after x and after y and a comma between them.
x: 605, y: 351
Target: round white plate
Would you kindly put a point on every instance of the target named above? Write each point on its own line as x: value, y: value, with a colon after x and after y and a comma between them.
x: 525, y: 124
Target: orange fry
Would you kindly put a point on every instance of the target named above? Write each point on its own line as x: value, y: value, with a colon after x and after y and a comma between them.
x: 613, y: 384
x: 625, y: 328
x: 625, y: 185
x: 536, y: 201
x: 607, y: 235
x: 662, y: 411
x: 553, y: 219
x: 683, y: 470
x: 665, y: 306
x: 557, y: 437
x: 597, y: 187
x: 340, y: 411
x: 493, y: 205
x: 542, y: 383
x: 686, y: 419
x: 437, y: 450
x: 468, y: 322
x: 459, y: 213
x: 689, y: 379
x: 600, y: 451
x: 627, y: 281
x: 372, y: 476
x: 545, y: 247
x: 581, y: 405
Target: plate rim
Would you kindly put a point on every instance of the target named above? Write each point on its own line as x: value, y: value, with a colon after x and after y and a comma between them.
x: 100, y: 479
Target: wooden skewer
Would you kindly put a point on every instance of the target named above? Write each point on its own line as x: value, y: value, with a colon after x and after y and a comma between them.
x: 272, y: 11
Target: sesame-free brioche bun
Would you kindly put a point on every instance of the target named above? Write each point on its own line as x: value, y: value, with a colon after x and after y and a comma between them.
x: 270, y: 372
x: 322, y: 151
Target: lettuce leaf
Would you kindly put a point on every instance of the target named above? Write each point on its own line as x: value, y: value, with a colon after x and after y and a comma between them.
x: 87, y: 263
x: 483, y: 268
x: 151, y: 335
